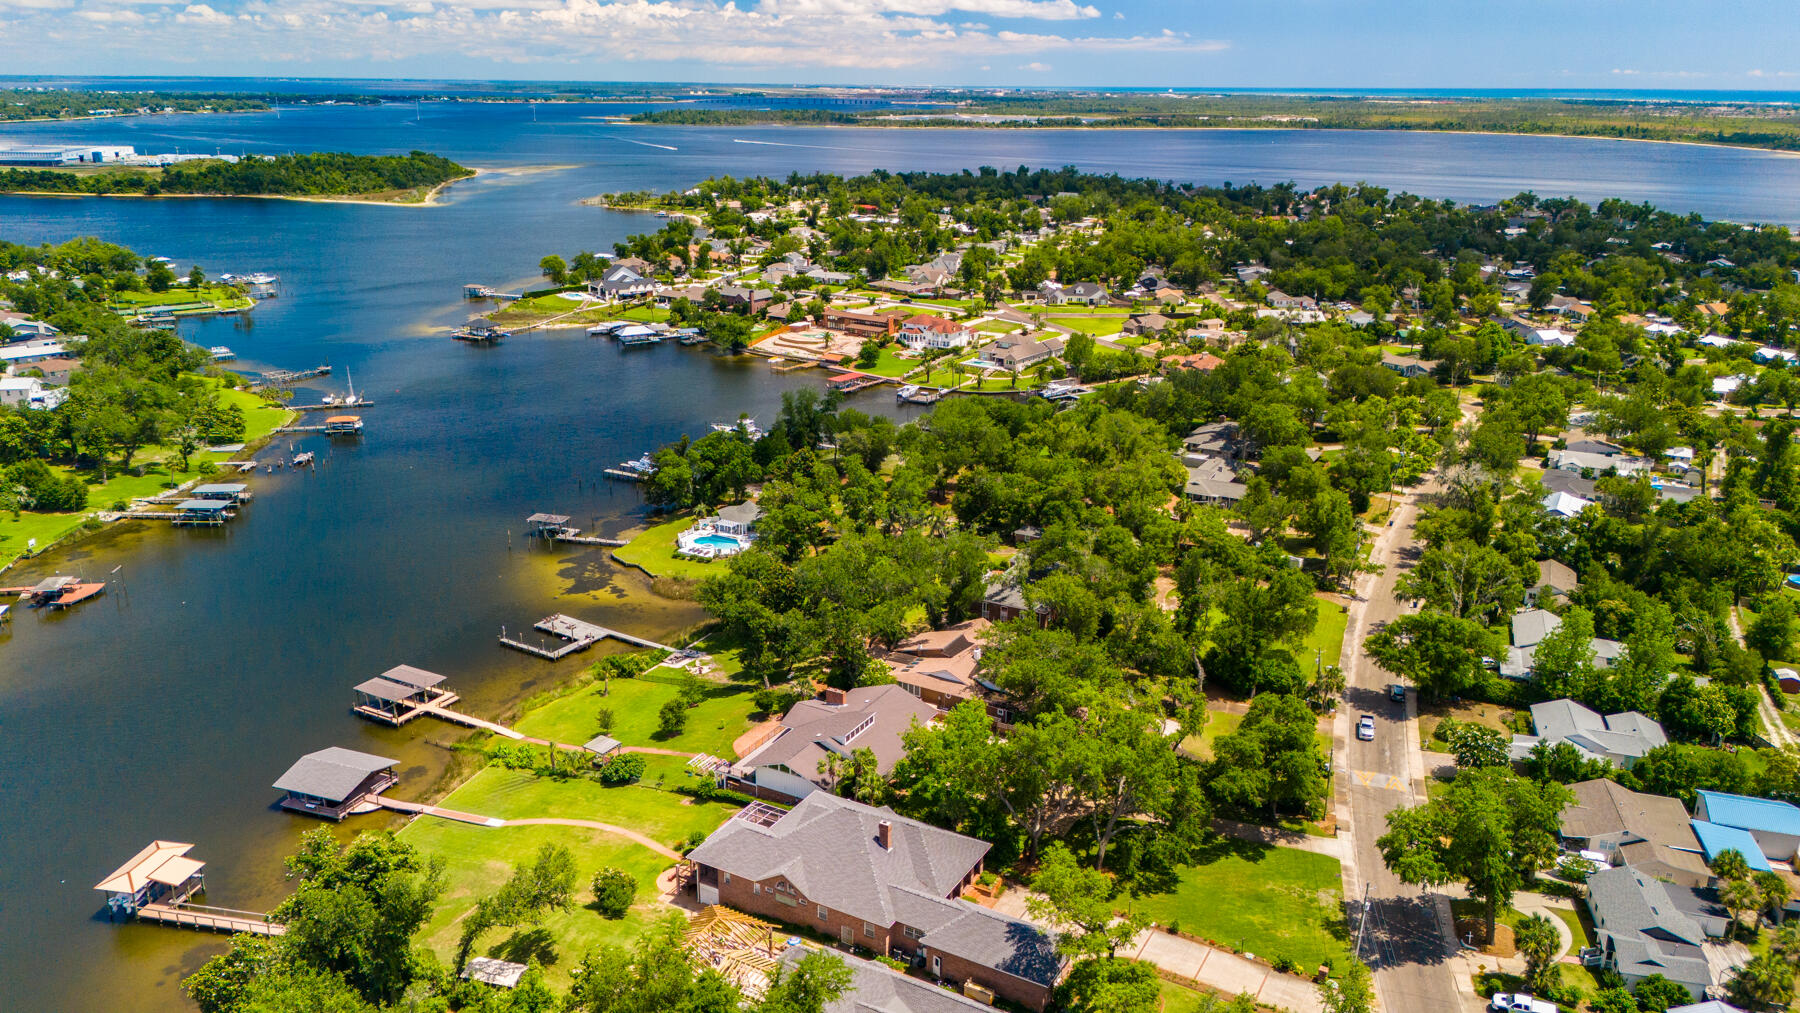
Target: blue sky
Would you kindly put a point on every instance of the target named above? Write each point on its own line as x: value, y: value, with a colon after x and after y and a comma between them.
x: 1573, y: 44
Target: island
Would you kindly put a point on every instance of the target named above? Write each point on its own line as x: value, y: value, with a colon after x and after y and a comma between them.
x: 416, y: 178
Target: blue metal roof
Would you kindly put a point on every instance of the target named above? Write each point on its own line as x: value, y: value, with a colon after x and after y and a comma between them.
x: 1748, y: 813
x: 1715, y: 839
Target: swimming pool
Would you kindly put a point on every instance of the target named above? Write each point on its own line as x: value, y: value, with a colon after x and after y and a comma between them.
x: 723, y: 543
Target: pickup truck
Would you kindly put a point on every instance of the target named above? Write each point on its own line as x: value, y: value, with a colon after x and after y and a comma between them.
x: 1519, y: 1002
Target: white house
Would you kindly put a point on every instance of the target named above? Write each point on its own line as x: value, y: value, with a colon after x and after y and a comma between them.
x: 1550, y: 337
x: 928, y: 330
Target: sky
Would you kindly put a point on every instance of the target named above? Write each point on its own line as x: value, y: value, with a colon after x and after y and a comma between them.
x: 1566, y: 44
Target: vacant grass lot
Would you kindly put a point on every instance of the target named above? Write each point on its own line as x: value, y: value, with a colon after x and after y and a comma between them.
x: 635, y: 703
x: 659, y: 814
x: 654, y: 550
x: 1273, y: 902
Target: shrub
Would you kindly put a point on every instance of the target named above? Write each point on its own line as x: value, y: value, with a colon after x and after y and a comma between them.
x: 621, y: 768
x: 614, y: 890
x: 603, y: 720
x: 898, y: 965
x: 207, y: 469
x: 776, y: 700
x: 707, y: 791
x: 671, y: 720
x: 1284, y: 964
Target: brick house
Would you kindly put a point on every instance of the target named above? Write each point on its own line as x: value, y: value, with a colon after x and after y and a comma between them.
x: 867, y: 877
x: 864, y: 325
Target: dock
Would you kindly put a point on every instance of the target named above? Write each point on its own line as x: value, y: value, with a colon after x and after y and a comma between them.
x: 850, y: 383
x: 579, y: 634
x: 283, y: 377
x: 789, y: 367
x: 623, y: 474
x: 555, y: 528
x: 217, y: 919
x: 327, y: 428
x: 402, y: 693
x: 360, y: 403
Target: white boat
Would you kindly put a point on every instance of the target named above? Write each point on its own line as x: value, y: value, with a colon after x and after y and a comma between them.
x: 747, y: 426
x: 222, y: 354
x: 906, y: 392
x: 606, y: 327
x: 349, y: 400
x: 643, y: 465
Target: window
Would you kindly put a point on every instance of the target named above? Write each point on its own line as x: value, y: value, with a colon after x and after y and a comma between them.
x: 868, y: 930
x: 822, y: 912
x: 727, y: 876
x: 756, y: 888
x: 912, y: 933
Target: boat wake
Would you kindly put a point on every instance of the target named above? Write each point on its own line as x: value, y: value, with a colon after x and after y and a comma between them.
x: 647, y: 144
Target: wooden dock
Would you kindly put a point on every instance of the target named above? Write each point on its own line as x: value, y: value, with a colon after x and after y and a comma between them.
x: 789, y: 367
x: 579, y: 634
x: 218, y: 919
x: 283, y: 377
x: 623, y: 475
x: 328, y: 407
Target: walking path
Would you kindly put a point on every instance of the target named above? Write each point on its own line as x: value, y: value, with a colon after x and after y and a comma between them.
x: 1778, y: 732
x: 416, y: 809
x: 1279, y: 838
x: 1227, y: 972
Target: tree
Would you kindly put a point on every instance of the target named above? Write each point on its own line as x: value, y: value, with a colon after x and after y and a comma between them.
x: 1771, y: 633
x: 554, y: 269
x: 196, y: 277
x: 159, y: 278
x: 671, y: 720
x: 1272, y: 760
x: 1465, y: 580
x: 1491, y: 831
x: 1109, y: 985
x: 1737, y: 896
x: 1766, y: 981
x: 1078, y: 902
x: 1772, y: 893
x: 1657, y: 994
x: 1537, y: 940
x: 546, y: 884
x: 818, y: 980
x: 1442, y: 654
x: 1478, y: 745
x: 614, y: 890
x: 1352, y: 991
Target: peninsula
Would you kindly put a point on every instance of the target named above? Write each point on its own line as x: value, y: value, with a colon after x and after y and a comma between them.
x: 413, y: 178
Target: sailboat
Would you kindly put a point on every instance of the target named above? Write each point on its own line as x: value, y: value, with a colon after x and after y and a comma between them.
x: 348, y: 400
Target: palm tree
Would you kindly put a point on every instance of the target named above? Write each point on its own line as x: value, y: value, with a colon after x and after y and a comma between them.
x: 831, y: 767
x: 1738, y: 896
x: 1766, y: 981
x: 1730, y: 864
x: 1538, y: 941
x: 1774, y: 892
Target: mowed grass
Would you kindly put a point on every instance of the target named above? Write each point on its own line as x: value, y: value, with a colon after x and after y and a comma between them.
x: 654, y: 550
x: 1098, y: 326
x: 1325, y: 644
x: 1217, y: 723
x: 1273, y: 902
x: 159, y: 473
x: 635, y: 704
x: 659, y: 814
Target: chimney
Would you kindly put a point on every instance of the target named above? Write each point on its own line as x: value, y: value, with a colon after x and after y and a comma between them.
x: 834, y: 696
x: 884, y: 832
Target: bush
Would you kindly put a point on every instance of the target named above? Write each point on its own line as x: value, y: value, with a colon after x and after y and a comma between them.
x: 1284, y: 964
x: 707, y: 791
x: 207, y: 469
x: 671, y: 720
x: 776, y: 700
x: 603, y: 720
x: 614, y: 890
x: 621, y: 768
x: 898, y: 965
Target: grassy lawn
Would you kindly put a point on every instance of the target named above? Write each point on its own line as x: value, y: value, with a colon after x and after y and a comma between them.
x: 654, y: 550
x: 1173, y: 998
x: 213, y: 294
x: 1325, y: 644
x: 1096, y: 325
x: 888, y: 364
x: 1490, y: 715
x: 1217, y: 723
x: 159, y: 473
x: 1273, y: 902
x: 711, y: 726
x: 662, y: 815
x: 997, y: 327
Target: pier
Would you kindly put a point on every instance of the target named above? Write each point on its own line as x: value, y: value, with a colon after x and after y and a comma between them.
x: 217, y: 919
x: 359, y: 403
x: 623, y: 475
x: 159, y: 884
x: 850, y: 383
x: 580, y: 635
x: 555, y: 528
x: 400, y: 694
x: 789, y: 367
x: 284, y: 377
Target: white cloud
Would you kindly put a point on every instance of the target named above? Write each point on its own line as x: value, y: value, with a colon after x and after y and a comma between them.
x: 1035, y: 66
x: 1036, y: 10
x: 202, y: 14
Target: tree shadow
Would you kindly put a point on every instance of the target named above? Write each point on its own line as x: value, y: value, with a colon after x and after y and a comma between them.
x: 525, y: 945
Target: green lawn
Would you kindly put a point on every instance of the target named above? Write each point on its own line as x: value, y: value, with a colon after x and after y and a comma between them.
x: 159, y: 474
x: 1096, y: 325
x: 1273, y: 902
x: 659, y: 814
x: 213, y: 294
x: 1325, y: 644
x: 888, y: 364
x: 654, y: 550
x: 711, y: 726
x: 1217, y: 723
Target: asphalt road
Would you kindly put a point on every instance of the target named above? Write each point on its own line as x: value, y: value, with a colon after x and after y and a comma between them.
x: 1402, y: 936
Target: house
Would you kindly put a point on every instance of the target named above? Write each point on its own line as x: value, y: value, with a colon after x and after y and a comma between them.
x: 1574, y: 309
x: 17, y: 391
x: 786, y: 767
x: 1020, y: 353
x: 1203, y: 362
x: 621, y: 282
x: 1621, y: 739
x: 1709, y: 1006
x: 869, y: 877
x: 750, y: 300
x: 1211, y: 481
x: 638, y: 265
x: 878, y: 988
x: 1531, y: 626
x: 1247, y: 273
x: 1725, y: 386
x: 57, y: 371
x: 1555, y: 580
x: 1359, y: 318
x: 1564, y: 504
x: 1145, y: 323
x: 1408, y: 366
x: 1716, y: 840
x: 1003, y: 600
x: 30, y: 352
x: 1572, y: 483
x: 939, y: 666
x: 1599, y: 448
x: 24, y: 328
x: 1086, y: 293
x: 1550, y: 337
x: 864, y: 325
x: 1774, y: 825
x: 1651, y: 832
x: 1215, y: 439
x: 335, y: 782
x: 739, y: 519
x: 1644, y: 926
x: 1599, y: 464
x: 928, y: 330
x: 1282, y: 301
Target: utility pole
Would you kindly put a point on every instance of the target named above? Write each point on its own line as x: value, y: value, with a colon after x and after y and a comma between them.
x: 1363, y: 924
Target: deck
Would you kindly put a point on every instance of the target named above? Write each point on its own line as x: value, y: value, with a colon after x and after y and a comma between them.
x: 403, y: 715
x: 218, y: 919
x: 621, y: 473
x: 580, y: 635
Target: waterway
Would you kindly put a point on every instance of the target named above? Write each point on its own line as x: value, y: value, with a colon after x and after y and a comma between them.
x: 165, y: 709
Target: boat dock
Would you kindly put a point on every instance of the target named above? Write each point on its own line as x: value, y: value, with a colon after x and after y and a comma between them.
x: 402, y: 693
x: 623, y: 475
x: 283, y: 377
x: 340, y: 430
x: 555, y: 528
x: 913, y: 394
x: 850, y: 383
x: 359, y: 403
x: 792, y: 366
x: 579, y: 634
x: 218, y: 919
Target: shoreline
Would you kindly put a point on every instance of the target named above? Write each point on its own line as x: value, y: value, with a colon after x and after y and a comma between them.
x: 431, y: 198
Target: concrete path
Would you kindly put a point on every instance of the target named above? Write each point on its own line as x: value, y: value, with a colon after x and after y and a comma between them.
x: 1279, y: 838
x: 1228, y: 972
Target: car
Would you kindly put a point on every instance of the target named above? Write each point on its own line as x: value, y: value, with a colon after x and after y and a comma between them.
x: 1519, y: 1002
x: 1396, y: 692
x: 1365, y: 728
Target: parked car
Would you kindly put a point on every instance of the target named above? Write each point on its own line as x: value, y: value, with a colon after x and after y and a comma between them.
x: 1365, y: 728
x: 1519, y: 1002
x: 1396, y: 692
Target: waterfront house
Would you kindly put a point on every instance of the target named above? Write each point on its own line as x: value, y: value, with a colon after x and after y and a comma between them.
x: 160, y: 874
x: 787, y: 766
x: 939, y: 666
x: 749, y: 300
x: 1021, y: 353
x: 864, y: 325
x: 334, y: 782
x: 726, y: 533
x: 1644, y: 926
x: 869, y: 877
x: 30, y: 352
x: 930, y: 331
x: 621, y: 282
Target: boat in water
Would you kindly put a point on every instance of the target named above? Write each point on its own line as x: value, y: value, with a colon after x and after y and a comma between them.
x: 222, y: 354
x: 350, y: 398
x: 480, y: 331
x: 302, y: 459
x: 747, y: 426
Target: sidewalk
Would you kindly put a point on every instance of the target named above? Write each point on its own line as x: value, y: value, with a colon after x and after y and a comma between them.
x: 1227, y: 972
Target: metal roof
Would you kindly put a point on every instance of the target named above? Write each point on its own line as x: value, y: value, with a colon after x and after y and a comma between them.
x: 601, y: 744
x: 418, y: 678
x: 1715, y: 839
x: 1750, y: 813
x: 209, y: 505
x: 382, y: 689
x: 546, y: 519
x: 332, y: 774
x: 229, y: 488
x: 159, y: 862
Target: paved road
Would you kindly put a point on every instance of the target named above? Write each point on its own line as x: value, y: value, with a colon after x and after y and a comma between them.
x: 1403, y: 939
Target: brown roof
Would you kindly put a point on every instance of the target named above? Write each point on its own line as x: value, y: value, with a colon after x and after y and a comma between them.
x: 1656, y: 827
x: 1205, y: 362
x: 945, y: 642
x: 871, y: 717
x: 160, y: 862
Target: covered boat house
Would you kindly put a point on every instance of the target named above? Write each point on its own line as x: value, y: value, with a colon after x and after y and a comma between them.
x: 230, y: 492
x: 207, y: 512
x: 160, y: 874
x: 400, y: 694
x: 333, y: 783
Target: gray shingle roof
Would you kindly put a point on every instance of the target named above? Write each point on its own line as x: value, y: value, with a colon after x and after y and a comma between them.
x: 1532, y: 626
x: 826, y: 847
x: 875, y: 988
x: 1647, y: 931
x: 985, y: 937
x: 332, y: 774
x: 871, y: 717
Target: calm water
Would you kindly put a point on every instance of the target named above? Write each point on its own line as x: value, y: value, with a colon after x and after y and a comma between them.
x: 165, y: 708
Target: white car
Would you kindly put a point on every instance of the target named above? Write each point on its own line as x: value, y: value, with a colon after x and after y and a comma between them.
x: 1519, y: 1002
x: 1365, y: 728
